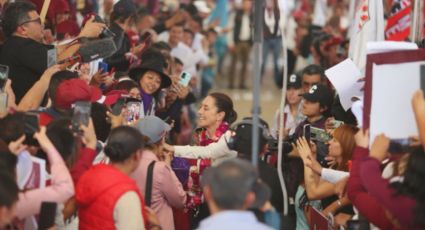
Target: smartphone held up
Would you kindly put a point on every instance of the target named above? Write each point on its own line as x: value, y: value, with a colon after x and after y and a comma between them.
x: 81, y: 115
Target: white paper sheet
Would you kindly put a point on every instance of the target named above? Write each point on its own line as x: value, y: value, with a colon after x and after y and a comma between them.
x: 388, y: 46
x: 344, y: 77
x: 393, y: 86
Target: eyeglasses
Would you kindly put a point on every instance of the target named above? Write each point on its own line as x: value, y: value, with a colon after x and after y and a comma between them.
x: 38, y: 20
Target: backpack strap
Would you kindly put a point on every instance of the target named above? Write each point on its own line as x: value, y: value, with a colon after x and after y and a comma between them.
x: 148, y: 189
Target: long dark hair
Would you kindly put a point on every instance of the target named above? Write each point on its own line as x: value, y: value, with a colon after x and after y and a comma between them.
x: 413, y: 184
x: 225, y: 104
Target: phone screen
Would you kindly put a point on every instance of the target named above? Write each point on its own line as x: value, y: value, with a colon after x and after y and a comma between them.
x: 307, y: 133
x: 81, y: 115
x: 4, y: 75
x: 117, y: 108
x: 31, y: 126
x: 47, y: 215
x: 399, y: 146
x: 133, y: 111
x: 185, y: 78
x: 422, y: 78
x: 3, y: 102
x: 51, y: 57
x: 103, y: 66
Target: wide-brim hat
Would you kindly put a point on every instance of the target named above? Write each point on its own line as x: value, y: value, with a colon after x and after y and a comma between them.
x: 152, y: 60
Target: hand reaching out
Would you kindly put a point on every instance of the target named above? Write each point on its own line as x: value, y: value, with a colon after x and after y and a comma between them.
x: 418, y: 102
x: 89, y: 135
x: 303, y: 148
x: 92, y: 29
x: 43, y: 140
x: 379, y: 149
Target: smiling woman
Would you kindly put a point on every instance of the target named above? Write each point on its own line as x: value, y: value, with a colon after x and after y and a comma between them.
x: 151, y: 79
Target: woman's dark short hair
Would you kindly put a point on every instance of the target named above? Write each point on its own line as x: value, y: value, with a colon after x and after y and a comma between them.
x: 225, y: 104
x: 123, y: 142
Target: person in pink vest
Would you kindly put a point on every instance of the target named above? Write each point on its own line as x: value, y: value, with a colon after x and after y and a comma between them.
x: 107, y: 197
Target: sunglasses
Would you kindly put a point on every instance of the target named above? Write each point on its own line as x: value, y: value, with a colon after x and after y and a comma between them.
x: 38, y: 20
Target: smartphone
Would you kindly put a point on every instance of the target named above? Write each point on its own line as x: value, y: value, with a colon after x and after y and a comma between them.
x: 185, y: 78
x: 3, y: 102
x: 358, y: 225
x: 422, y: 69
x: 118, y: 106
x: 4, y: 75
x: 103, y: 66
x: 51, y: 57
x: 31, y: 126
x: 146, y: 39
x: 133, y: 111
x: 47, y: 216
x: 337, y: 123
x: 81, y: 116
x: 307, y: 133
x: 320, y: 135
x: 398, y: 146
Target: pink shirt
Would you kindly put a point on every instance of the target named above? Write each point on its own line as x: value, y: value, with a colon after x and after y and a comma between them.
x: 167, y: 191
x: 59, y: 191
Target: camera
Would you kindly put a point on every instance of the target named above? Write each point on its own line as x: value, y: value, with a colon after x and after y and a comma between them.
x: 286, y: 144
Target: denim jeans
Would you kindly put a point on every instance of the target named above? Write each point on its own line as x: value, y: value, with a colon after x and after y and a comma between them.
x: 273, y: 45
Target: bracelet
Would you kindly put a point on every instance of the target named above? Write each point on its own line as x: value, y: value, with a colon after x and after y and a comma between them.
x: 155, y: 226
x: 339, y: 203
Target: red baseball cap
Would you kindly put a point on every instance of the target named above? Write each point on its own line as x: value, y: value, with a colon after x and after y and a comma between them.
x: 73, y: 90
x: 112, y: 97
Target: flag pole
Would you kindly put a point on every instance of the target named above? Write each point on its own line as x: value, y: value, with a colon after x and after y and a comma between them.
x: 281, y: 116
x: 415, y: 22
x: 44, y: 10
x: 256, y: 80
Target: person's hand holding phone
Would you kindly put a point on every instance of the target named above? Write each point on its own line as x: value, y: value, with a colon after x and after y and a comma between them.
x: 92, y: 29
x: 16, y: 147
x: 89, y: 135
x: 180, y: 90
x: 43, y: 140
x: 303, y: 148
x: 330, y: 161
x: 97, y: 78
x: 116, y: 120
x: 137, y: 50
x: 107, y: 79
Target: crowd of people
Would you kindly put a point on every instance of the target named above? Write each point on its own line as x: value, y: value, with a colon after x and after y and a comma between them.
x: 98, y: 121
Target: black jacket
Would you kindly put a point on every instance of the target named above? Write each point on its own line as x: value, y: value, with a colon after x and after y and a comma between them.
x: 27, y: 60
